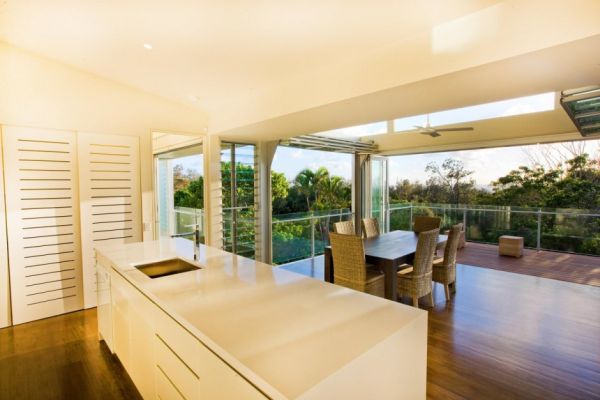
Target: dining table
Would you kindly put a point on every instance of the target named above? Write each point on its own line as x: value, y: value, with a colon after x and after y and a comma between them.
x: 388, y: 251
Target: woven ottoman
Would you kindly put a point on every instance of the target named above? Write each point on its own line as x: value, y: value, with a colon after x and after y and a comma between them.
x: 510, y: 246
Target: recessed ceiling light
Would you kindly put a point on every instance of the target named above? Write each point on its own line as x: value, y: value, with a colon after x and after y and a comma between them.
x: 193, y: 98
x: 147, y: 46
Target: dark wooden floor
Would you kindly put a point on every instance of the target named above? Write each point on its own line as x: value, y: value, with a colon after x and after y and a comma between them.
x: 502, y: 336
x: 547, y: 264
x: 510, y: 336
x: 60, y: 358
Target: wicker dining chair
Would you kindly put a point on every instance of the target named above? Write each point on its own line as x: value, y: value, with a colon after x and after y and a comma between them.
x: 370, y: 227
x: 444, y: 269
x: 344, y: 227
x: 424, y: 223
x: 350, y: 269
x: 415, y: 280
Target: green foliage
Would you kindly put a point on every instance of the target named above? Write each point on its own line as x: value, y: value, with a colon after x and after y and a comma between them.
x: 279, y: 186
x: 244, y: 184
x: 191, y: 196
x: 310, y: 191
x: 450, y: 181
x: 576, y: 186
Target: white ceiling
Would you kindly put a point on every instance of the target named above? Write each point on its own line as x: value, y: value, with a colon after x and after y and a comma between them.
x: 214, y: 50
x: 273, y: 68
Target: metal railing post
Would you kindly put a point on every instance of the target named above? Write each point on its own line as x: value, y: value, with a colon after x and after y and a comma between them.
x: 539, y: 229
x: 312, y: 237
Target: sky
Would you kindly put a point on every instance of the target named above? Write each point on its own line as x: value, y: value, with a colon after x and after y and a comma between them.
x: 291, y: 160
x: 488, y: 164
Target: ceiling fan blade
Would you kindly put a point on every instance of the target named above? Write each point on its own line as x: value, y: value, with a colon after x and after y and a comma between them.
x: 434, y: 134
x: 465, y: 128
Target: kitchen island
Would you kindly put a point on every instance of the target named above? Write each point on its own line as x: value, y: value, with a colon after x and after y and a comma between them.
x: 241, y: 329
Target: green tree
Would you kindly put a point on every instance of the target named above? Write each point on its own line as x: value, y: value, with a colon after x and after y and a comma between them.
x: 450, y: 181
x: 304, y: 184
x: 279, y: 186
x: 576, y: 184
x: 191, y: 196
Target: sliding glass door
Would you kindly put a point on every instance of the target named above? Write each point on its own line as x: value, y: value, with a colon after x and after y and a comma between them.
x: 375, y: 194
x: 379, y: 190
x: 238, y: 174
x: 180, y: 191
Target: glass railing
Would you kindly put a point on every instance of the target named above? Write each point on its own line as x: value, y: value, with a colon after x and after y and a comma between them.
x: 185, y: 219
x: 565, y: 230
x: 303, y: 235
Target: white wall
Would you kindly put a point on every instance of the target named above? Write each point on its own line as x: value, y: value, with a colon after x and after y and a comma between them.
x: 38, y: 92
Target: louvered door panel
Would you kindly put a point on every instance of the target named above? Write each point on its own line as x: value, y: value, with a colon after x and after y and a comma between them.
x: 43, y: 219
x: 109, y: 181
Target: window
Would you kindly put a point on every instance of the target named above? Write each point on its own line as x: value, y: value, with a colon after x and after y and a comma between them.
x: 238, y: 174
x: 180, y: 191
x: 497, y: 109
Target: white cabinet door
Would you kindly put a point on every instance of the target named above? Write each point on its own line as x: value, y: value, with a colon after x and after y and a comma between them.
x: 141, y: 328
x: 120, y: 293
x: 43, y: 218
x: 104, y: 312
x: 109, y: 193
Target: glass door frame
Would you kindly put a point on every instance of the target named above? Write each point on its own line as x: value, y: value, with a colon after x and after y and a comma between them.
x: 367, y: 184
x: 156, y: 177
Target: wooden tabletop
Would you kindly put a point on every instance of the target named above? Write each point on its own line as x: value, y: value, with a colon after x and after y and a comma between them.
x: 393, y: 247
x: 388, y: 251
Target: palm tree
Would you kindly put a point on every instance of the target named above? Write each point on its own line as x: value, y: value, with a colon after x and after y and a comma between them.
x: 332, y: 189
x: 321, y: 175
x: 304, y: 181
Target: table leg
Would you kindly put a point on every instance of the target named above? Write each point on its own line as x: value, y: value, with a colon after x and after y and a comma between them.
x: 391, y: 279
x: 328, y: 264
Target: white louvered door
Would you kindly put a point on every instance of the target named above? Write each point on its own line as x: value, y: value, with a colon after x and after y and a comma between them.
x: 109, y: 184
x: 43, y: 222
x: 5, y: 319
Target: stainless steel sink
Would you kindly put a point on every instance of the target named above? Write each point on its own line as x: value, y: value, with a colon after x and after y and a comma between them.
x: 171, y: 266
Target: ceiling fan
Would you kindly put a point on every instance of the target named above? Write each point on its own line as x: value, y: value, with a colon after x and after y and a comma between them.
x: 435, y: 132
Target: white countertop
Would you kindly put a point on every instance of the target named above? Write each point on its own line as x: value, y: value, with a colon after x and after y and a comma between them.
x: 283, y: 331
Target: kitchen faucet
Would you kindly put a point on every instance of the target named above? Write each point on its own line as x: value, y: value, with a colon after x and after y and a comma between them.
x: 196, y: 234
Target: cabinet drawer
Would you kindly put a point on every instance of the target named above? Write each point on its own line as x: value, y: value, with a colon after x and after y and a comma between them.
x: 178, y: 373
x: 181, y: 342
x: 164, y: 388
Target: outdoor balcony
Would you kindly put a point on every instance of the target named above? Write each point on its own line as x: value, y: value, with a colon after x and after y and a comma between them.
x: 559, y: 244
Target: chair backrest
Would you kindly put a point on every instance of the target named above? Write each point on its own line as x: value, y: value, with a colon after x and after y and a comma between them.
x: 423, y: 223
x: 452, y: 244
x: 423, y: 262
x: 370, y: 227
x: 344, y: 227
x: 348, y: 258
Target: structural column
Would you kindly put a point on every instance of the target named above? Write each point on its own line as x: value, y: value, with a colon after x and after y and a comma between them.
x: 266, y: 152
x: 213, y: 221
